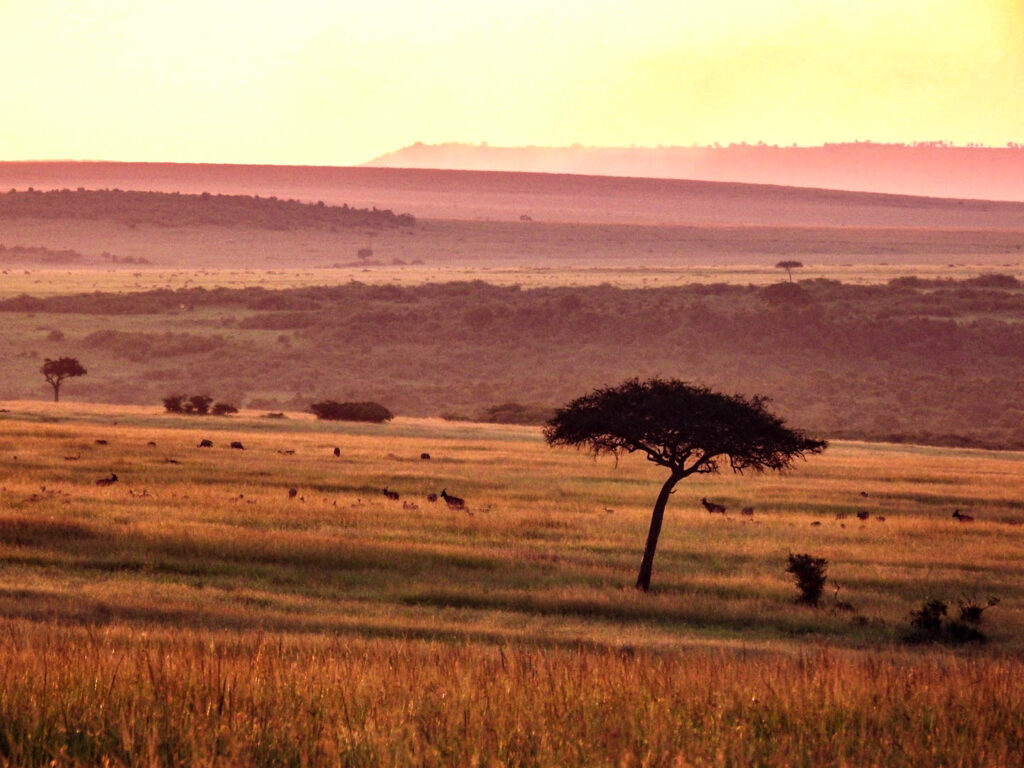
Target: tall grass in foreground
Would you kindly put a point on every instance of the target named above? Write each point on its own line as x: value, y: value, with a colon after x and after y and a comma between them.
x: 77, y: 697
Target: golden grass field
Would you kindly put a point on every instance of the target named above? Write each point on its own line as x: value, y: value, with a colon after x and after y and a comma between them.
x: 194, y: 613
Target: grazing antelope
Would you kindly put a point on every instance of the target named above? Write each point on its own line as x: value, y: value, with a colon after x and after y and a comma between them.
x: 454, y: 502
x: 101, y: 442
x: 237, y: 445
x: 204, y: 443
x: 431, y: 497
x: 393, y: 495
x: 958, y: 515
x: 425, y: 456
x: 107, y: 480
x: 747, y: 511
x: 712, y: 507
x: 863, y: 515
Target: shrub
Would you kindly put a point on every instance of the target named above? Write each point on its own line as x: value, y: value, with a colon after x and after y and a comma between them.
x: 223, y: 409
x: 809, y: 572
x: 331, y: 410
x: 198, y: 404
x: 930, y: 623
x: 174, y: 403
x: 517, y: 413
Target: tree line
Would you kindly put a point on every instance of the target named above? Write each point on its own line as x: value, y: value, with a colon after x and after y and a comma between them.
x: 175, y: 209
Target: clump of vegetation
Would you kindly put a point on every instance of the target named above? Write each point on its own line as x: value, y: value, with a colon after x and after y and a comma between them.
x: 197, y: 405
x: 331, y: 410
x: 931, y: 623
x: 175, y: 209
x: 809, y: 572
x: 516, y: 413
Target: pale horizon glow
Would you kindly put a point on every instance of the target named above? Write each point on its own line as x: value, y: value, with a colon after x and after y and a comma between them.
x: 316, y: 82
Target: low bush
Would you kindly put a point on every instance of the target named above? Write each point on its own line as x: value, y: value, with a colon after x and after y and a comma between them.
x: 809, y: 572
x: 931, y: 624
x: 331, y: 410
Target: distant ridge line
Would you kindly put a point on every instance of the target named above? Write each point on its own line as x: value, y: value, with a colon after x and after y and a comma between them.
x: 930, y: 169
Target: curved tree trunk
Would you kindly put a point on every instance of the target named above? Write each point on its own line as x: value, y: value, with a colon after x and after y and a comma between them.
x: 643, y: 580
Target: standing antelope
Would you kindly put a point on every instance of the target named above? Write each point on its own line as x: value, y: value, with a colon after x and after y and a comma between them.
x: 712, y: 507
x: 453, y: 501
x: 958, y: 515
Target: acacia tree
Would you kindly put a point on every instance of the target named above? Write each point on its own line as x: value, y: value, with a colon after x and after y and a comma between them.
x: 55, y: 371
x: 789, y: 266
x: 687, y: 429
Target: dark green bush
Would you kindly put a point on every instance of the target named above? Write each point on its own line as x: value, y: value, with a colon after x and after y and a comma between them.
x: 809, y: 572
x: 331, y: 410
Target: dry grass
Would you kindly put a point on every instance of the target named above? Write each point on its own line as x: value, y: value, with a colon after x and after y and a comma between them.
x: 194, y: 613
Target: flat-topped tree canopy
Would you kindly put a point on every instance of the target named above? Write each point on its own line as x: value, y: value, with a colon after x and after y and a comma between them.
x: 688, y: 429
x: 685, y: 428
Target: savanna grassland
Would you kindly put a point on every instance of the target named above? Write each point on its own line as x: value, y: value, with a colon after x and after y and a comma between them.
x: 271, y: 606
x: 196, y: 612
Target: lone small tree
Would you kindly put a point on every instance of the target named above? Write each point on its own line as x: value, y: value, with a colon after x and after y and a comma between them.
x: 55, y: 371
x: 789, y: 266
x: 686, y: 429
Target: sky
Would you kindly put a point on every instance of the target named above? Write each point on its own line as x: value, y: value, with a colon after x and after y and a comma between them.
x: 338, y: 83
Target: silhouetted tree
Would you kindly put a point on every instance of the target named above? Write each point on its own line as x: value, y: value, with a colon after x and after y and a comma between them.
x: 55, y: 371
x: 789, y: 266
x: 687, y: 429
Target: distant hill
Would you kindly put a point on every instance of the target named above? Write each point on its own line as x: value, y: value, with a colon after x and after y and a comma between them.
x: 544, y: 197
x: 931, y: 169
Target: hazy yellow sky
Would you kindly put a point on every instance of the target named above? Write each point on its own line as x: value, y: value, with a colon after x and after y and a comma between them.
x: 337, y: 83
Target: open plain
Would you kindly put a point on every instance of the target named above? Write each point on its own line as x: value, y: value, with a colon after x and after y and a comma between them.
x: 197, y: 611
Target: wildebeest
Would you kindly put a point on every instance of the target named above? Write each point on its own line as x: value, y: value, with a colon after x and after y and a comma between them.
x: 453, y: 501
x: 431, y: 497
x: 424, y: 456
x: 107, y: 480
x: 337, y: 451
x: 747, y: 511
x: 393, y: 495
x: 712, y: 507
x: 101, y: 441
x: 293, y: 492
x: 863, y: 515
x: 204, y: 443
x: 958, y: 515
x: 237, y: 445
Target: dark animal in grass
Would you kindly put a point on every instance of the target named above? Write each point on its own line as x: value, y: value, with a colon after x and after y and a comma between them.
x: 454, y: 502
x: 237, y: 445
x: 712, y: 507
x: 293, y: 492
x: 747, y: 511
x: 431, y: 497
x: 204, y: 443
x: 958, y: 515
x: 424, y: 456
x: 863, y: 515
x: 151, y: 444
x: 337, y: 452
x: 393, y: 495
x: 107, y: 480
x: 101, y: 442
